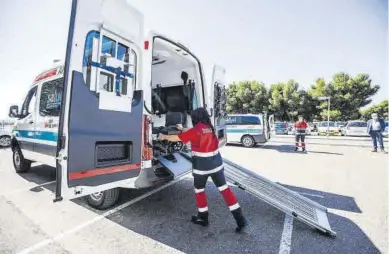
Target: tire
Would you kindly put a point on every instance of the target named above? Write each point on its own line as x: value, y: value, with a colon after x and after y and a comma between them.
x: 5, y: 141
x: 248, y: 141
x: 21, y: 165
x: 104, y: 199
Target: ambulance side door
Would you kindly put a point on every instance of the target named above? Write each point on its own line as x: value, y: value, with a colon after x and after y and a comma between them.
x: 100, y: 127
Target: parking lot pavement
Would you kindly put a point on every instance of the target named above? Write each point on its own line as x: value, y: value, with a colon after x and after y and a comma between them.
x: 350, y: 181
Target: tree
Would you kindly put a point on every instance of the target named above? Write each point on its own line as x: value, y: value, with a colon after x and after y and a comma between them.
x: 381, y: 109
x: 308, y: 106
x: 285, y: 100
x: 247, y: 97
x: 348, y: 95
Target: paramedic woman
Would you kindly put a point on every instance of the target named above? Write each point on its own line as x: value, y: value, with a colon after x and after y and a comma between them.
x: 207, y: 162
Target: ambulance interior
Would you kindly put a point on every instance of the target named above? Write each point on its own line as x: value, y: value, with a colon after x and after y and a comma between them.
x: 176, y: 89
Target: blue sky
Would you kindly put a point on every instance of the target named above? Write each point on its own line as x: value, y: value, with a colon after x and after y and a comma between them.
x: 266, y: 40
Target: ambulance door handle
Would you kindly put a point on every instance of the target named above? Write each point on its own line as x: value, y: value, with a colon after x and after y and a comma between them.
x: 31, y: 122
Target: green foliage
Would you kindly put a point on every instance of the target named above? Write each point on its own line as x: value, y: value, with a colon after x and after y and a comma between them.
x: 287, y: 100
x: 381, y: 109
x: 246, y: 97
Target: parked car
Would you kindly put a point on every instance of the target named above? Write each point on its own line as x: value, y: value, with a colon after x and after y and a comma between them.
x: 323, y: 128
x: 5, y: 138
x: 313, y: 126
x: 355, y: 128
x: 281, y: 128
x: 340, y: 126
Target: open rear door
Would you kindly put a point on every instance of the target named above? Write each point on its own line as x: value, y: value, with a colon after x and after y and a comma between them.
x: 100, y: 129
x: 270, y: 127
x: 219, y: 99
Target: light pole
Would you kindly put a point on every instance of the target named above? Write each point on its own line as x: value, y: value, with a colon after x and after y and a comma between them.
x: 323, y: 98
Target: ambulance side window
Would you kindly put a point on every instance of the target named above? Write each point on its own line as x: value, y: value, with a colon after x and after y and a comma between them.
x: 51, y: 97
x: 234, y: 120
x: 29, y: 102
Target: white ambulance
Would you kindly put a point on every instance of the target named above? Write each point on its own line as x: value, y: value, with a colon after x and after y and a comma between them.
x: 97, y: 116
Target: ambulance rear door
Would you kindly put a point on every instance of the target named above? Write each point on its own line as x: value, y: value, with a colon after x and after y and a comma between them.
x: 100, y: 127
x: 219, y: 103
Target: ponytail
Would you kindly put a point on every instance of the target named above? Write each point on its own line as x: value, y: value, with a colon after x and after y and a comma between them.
x: 200, y: 115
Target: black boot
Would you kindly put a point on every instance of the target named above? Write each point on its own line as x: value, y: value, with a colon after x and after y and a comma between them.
x: 296, y: 148
x: 200, y: 219
x: 304, y: 149
x: 241, y: 221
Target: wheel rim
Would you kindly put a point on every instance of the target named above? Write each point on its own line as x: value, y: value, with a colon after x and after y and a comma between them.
x: 17, y: 159
x: 5, y: 141
x: 247, y: 141
x: 96, y: 196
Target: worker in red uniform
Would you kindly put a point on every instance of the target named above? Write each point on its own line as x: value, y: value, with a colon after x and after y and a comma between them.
x: 207, y: 162
x: 300, y: 130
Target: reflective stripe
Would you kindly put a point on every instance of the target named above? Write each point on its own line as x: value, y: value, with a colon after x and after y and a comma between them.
x: 201, y: 172
x: 203, y: 209
x: 222, y: 188
x: 233, y: 207
x: 209, y: 154
x: 199, y: 190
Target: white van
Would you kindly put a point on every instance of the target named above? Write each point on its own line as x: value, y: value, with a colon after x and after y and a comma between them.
x: 248, y: 129
x: 96, y: 118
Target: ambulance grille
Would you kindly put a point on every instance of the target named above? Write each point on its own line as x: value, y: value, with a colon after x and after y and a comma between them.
x: 113, y: 154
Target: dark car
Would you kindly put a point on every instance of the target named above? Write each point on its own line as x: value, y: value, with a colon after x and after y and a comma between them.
x: 281, y: 128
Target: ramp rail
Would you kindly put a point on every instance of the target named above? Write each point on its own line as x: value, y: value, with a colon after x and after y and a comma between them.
x: 276, y: 195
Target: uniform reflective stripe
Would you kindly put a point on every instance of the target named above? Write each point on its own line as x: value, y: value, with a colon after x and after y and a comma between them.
x: 203, y: 209
x: 209, y: 154
x: 199, y: 190
x: 233, y: 207
x: 222, y: 188
x: 201, y: 172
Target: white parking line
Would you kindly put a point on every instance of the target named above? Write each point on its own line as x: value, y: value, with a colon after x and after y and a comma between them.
x: 95, y: 219
x: 286, y: 238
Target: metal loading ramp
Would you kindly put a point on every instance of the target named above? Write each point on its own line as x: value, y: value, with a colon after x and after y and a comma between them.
x: 290, y: 202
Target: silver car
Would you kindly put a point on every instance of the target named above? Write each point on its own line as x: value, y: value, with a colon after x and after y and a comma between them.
x: 355, y: 128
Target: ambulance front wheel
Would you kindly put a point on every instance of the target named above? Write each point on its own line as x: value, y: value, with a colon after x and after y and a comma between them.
x: 21, y: 165
x: 248, y: 141
x: 104, y: 199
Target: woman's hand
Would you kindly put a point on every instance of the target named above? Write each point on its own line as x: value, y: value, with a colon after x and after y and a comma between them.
x: 180, y: 127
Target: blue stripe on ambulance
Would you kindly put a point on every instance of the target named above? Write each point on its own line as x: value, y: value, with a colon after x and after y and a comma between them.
x: 38, y: 135
x: 252, y: 131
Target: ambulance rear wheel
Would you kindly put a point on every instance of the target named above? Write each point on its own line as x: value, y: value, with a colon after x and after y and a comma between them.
x: 104, y: 199
x: 21, y: 165
x: 248, y: 141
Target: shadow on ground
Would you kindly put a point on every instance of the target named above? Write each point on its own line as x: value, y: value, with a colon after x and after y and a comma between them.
x: 329, y: 200
x: 290, y: 149
x: 165, y: 217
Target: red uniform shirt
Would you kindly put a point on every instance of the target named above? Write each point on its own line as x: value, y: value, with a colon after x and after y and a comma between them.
x: 201, y: 137
x: 204, y: 143
x: 300, y: 127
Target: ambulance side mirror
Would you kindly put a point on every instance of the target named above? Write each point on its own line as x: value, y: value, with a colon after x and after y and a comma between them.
x: 13, y: 111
